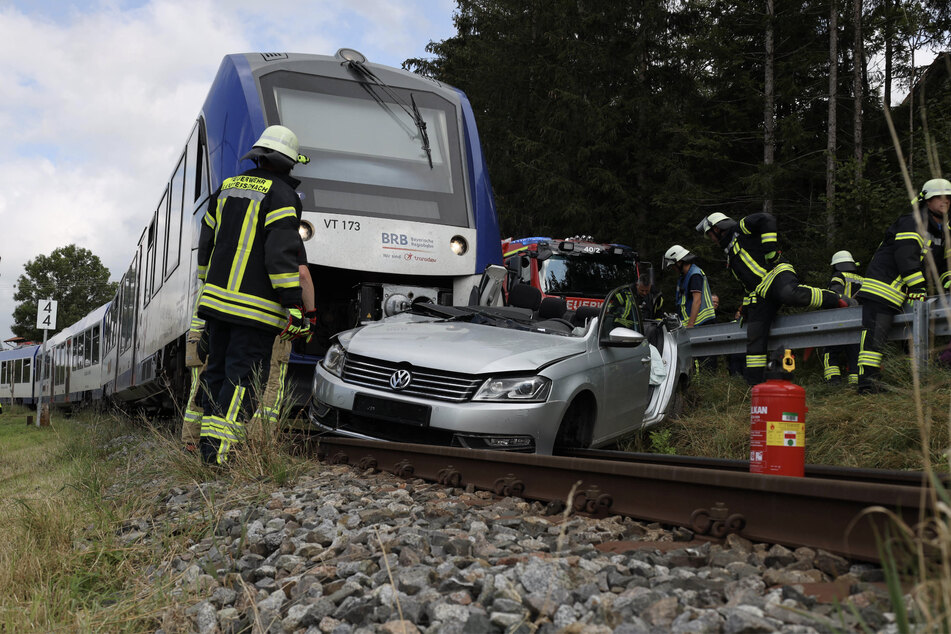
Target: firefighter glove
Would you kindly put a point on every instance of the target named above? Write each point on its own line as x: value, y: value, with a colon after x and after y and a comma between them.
x: 311, y: 316
x: 297, y: 324
x: 916, y: 295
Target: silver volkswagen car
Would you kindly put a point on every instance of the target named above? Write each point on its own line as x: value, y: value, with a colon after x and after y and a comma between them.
x: 504, y: 378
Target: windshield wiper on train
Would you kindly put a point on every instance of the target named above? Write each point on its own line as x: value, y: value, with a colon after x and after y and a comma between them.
x: 360, y: 69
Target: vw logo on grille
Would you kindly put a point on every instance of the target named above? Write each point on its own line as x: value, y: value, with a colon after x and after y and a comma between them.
x: 400, y: 379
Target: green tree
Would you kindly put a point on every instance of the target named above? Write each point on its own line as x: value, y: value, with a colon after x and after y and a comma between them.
x: 71, y: 275
x: 630, y: 121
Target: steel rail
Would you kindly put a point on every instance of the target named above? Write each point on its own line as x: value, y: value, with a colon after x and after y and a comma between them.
x: 885, y: 476
x: 811, y: 511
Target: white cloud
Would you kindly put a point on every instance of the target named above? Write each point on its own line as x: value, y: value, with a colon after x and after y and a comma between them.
x: 98, y: 102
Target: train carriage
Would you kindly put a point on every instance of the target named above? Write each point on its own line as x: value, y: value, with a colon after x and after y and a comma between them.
x: 17, y: 371
x: 74, y: 361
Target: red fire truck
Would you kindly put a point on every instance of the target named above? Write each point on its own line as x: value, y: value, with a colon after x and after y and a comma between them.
x: 578, y: 269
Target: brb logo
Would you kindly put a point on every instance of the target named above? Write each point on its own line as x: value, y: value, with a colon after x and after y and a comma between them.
x: 399, y: 239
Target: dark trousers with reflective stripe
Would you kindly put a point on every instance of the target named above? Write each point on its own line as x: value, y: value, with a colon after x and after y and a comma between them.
x: 785, y: 290
x: 238, y: 357
x: 877, y: 318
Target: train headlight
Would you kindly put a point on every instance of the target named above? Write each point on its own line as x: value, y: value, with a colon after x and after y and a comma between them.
x: 350, y: 55
x: 306, y: 230
x: 458, y: 245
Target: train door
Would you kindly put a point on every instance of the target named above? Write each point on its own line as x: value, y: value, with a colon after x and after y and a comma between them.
x: 68, y: 366
x: 128, y: 304
x: 110, y: 336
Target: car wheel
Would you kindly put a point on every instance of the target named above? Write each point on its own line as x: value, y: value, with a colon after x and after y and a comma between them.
x: 576, y: 425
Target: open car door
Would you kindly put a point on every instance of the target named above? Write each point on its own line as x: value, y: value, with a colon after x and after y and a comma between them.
x: 626, y: 356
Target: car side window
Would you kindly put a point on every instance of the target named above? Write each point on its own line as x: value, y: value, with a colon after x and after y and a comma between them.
x: 619, y: 310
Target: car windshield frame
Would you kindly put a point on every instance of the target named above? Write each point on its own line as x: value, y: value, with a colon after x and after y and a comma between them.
x: 594, y: 282
x: 508, y: 317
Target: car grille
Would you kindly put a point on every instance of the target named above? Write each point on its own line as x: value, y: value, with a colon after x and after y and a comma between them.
x: 426, y: 382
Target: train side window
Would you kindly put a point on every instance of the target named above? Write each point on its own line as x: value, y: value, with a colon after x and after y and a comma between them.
x: 176, y: 197
x: 95, y: 345
x: 127, y: 308
x: 27, y: 363
x: 197, y: 179
x: 3, y: 372
x: 149, y: 265
x: 87, y: 348
x: 17, y: 370
x: 161, y: 222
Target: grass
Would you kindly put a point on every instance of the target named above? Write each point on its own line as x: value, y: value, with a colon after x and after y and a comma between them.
x: 842, y: 427
x: 76, y: 497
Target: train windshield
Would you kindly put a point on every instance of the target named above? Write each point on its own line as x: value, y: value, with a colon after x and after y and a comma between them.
x: 585, y: 275
x: 368, y: 156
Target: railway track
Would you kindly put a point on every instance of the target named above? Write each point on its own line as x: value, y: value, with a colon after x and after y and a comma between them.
x: 826, y: 509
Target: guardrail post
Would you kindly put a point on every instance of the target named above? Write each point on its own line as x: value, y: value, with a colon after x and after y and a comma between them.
x: 920, y: 333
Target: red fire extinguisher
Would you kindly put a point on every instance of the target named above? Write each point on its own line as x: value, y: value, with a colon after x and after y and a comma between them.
x: 778, y: 424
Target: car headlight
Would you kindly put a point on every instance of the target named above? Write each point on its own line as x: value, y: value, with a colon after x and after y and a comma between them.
x: 334, y: 359
x: 533, y: 389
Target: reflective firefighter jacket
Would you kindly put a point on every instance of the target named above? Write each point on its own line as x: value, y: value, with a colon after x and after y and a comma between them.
x: 752, y: 253
x: 897, y: 268
x: 247, y: 252
x: 684, y: 297
x: 845, y: 283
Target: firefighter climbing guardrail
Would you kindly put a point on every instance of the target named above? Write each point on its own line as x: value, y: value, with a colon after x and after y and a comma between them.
x: 825, y: 328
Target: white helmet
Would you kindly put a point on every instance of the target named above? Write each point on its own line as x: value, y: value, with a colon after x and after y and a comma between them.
x: 843, y: 261
x: 842, y: 257
x: 935, y: 187
x: 677, y: 254
x: 711, y: 221
x: 280, y: 139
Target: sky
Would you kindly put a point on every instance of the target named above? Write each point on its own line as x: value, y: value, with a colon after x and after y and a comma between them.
x: 98, y: 99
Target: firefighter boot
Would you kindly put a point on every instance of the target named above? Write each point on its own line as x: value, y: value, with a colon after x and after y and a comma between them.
x: 869, y: 381
x: 208, y: 447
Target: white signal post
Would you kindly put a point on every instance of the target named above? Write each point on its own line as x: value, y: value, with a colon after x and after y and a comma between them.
x: 45, y: 321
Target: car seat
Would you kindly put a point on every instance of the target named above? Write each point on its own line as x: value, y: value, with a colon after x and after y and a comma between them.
x: 525, y: 296
x: 552, y: 308
x: 584, y: 313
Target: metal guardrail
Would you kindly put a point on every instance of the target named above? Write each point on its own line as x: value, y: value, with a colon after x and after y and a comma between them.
x: 820, y: 328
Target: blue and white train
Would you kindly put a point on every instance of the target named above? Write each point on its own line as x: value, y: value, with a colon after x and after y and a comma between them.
x: 397, y: 208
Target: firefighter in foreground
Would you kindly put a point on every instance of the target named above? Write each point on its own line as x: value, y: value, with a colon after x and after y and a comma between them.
x: 270, y: 403
x: 694, y: 300
x: 752, y: 255
x: 845, y: 282
x: 248, y: 262
x: 896, y: 274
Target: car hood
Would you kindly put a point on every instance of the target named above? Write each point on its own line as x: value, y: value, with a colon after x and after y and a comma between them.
x: 460, y: 347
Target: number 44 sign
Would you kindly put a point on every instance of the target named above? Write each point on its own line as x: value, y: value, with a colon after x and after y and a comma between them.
x: 46, y: 315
